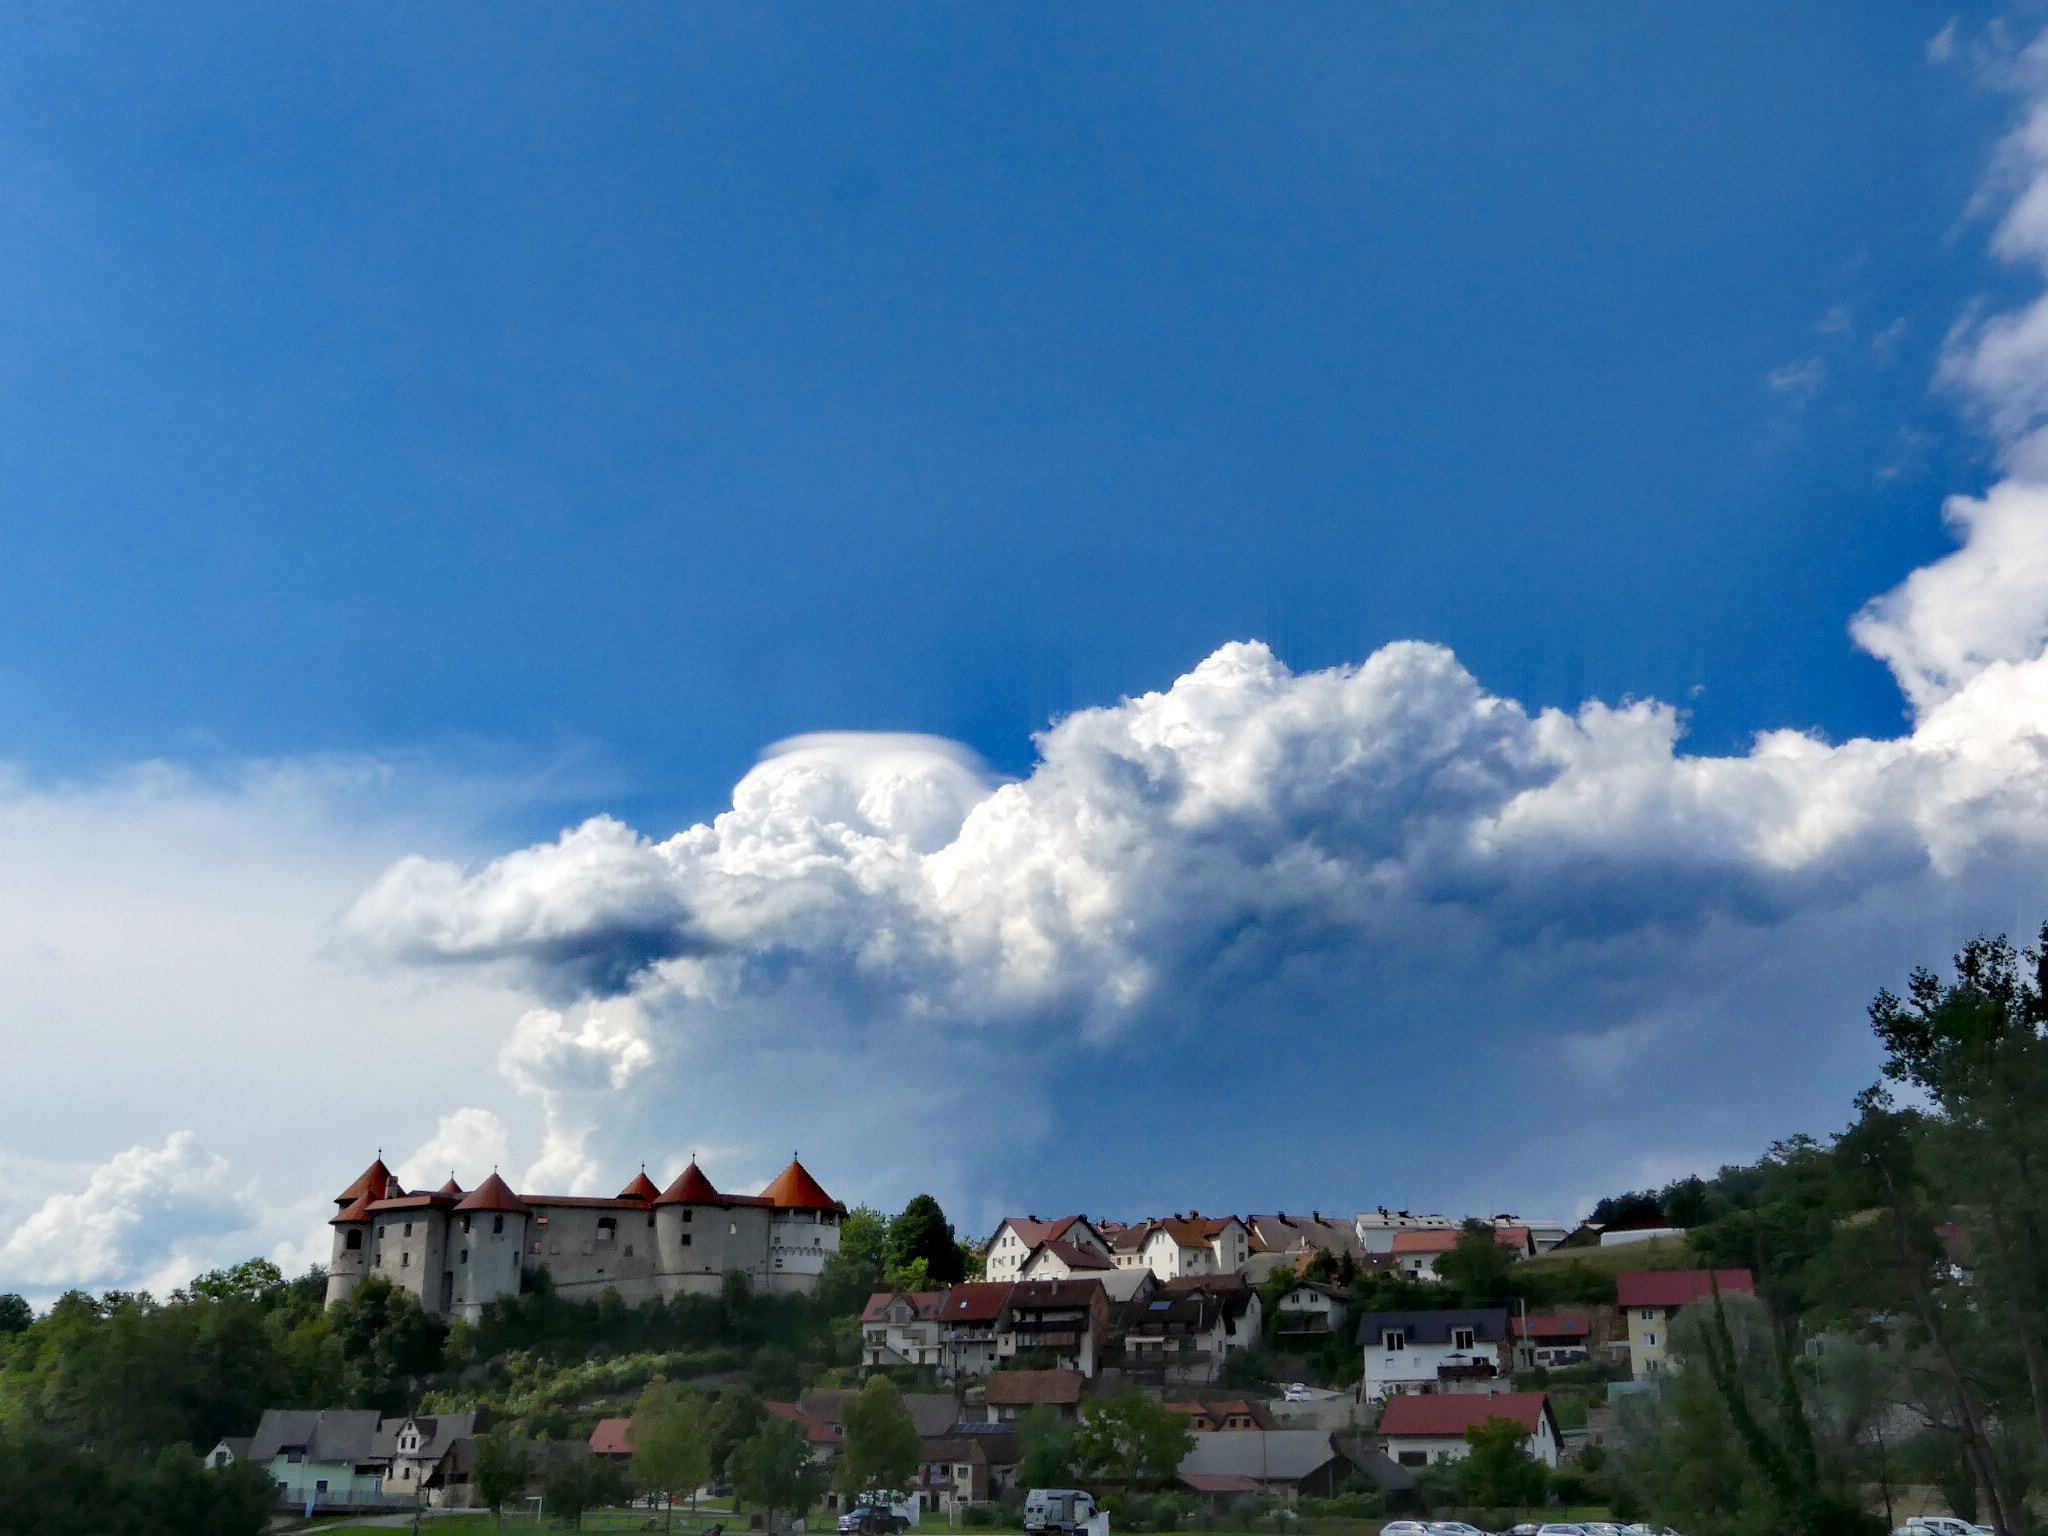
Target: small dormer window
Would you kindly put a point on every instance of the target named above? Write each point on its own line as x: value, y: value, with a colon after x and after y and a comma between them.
x: 1463, y: 1340
x: 1393, y: 1340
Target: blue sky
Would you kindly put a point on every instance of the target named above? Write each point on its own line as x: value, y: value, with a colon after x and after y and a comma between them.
x: 426, y: 430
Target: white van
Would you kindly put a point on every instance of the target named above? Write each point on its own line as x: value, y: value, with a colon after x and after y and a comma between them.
x: 1058, y: 1509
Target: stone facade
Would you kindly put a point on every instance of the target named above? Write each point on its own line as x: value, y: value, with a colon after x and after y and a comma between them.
x: 456, y: 1249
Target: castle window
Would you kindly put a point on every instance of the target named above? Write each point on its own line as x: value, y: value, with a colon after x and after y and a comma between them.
x: 650, y: 1221
x: 732, y: 1229
x: 686, y: 1239
x: 688, y: 1214
x: 497, y: 1223
x: 355, y: 1242
x: 535, y: 1248
x: 404, y: 1259
x: 607, y: 1228
x: 463, y: 1257
x: 408, y: 1229
x: 465, y: 1226
x: 629, y: 1250
x: 540, y: 1221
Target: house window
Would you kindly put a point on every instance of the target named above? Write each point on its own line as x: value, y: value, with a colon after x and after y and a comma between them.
x: 355, y: 1242
x: 1415, y: 1458
x: 1649, y: 1341
x: 1394, y: 1340
x: 1649, y: 1314
x: 1462, y: 1340
x: 320, y: 1486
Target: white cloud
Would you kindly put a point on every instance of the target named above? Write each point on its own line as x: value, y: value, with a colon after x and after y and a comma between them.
x: 1798, y: 381
x: 143, y: 1210
x: 467, y: 1139
x: 1942, y: 46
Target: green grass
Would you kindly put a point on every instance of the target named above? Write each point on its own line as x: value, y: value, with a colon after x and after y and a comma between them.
x: 1657, y: 1253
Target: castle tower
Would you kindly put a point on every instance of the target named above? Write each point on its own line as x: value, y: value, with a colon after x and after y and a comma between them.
x: 803, y: 1229
x: 352, y: 1223
x: 488, y: 1243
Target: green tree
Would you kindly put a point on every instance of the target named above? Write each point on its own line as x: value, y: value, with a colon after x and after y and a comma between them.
x: 864, y: 1238
x: 576, y: 1482
x: 671, y: 1444
x: 881, y: 1445
x: 735, y: 1416
x: 499, y: 1472
x: 1478, y: 1268
x: 773, y: 1469
x: 1498, y: 1472
x: 921, y: 1231
x: 250, y: 1280
x: 15, y: 1314
x: 388, y: 1345
x: 1045, y: 1447
x: 1133, y: 1441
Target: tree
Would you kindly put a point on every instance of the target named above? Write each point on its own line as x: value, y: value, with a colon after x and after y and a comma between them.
x: 921, y: 1231
x: 1499, y: 1472
x: 1478, y: 1267
x: 773, y: 1468
x: 1045, y: 1446
x: 864, y: 1238
x: 387, y: 1344
x: 881, y: 1444
x: 734, y: 1418
x: 250, y: 1280
x: 15, y: 1314
x: 671, y: 1444
x: 499, y: 1472
x: 577, y: 1482
x: 1133, y: 1441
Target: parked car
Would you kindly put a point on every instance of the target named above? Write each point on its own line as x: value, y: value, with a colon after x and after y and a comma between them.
x: 1454, y: 1528
x: 1936, y: 1525
x: 1058, y: 1509
x: 1297, y: 1392
x: 872, y: 1520
x: 1404, y: 1528
x: 1559, y: 1528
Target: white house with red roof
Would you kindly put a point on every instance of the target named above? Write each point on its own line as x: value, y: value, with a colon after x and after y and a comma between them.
x: 1018, y: 1238
x: 1416, y: 1431
x: 902, y: 1328
x: 1063, y: 1261
x: 455, y: 1251
x: 1651, y: 1298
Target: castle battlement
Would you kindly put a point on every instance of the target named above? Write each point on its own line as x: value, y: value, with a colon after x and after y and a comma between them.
x: 455, y: 1249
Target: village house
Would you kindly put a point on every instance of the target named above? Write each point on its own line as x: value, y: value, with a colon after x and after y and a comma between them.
x: 1062, y: 1323
x: 971, y: 1466
x: 324, y: 1459
x: 1011, y: 1394
x: 1416, y: 1431
x: 1426, y: 1352
x: 1311, y: 1234
x: 412, y: 1448
x: 1312, y: 1311
x: 1185, y: 1329
x: 454, y: 1250
x: 1649, y: 1299
x: 1017, y: 1238
x: 1288, y: 1463
x: 1216, y: 1417
x: 1377, y: 1229
x: 612, y: 1440
x: 823, y: 1438
x: 902, y: 1328
x: 970, y: 1326
x: 1547, y: 1341
x: 1418, y: 1249
x: 1060, y: 1260
x: 1179, y: 1246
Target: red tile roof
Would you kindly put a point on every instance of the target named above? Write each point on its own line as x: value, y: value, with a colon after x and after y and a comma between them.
x: 925, y: 1304
x: 690, y: 1188
x: 978, y: 1301
x: 1675, y: 1287
x: 1032, y: 1231
x: 642, y: 1188
x: 1550, y: 1327
x: 358, y: 1211
x: 494, y: 1194
x: 816, y: 1430
x: 376, y: 1182
x: 1018, y: 1389
x: 1221, y: 1482
x: 1428, y: 1240
x: 1452, y: 1413
x: 1079, y: 1258
x: 795, y: 1190
x: 612, y: 1437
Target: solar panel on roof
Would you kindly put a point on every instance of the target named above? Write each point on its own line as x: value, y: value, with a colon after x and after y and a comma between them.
x: 1162, y: 1306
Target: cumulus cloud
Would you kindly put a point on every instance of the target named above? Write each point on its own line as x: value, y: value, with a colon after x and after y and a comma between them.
x: 143, y: 1210
x: 1372, y: 854
x: 466, y: 1139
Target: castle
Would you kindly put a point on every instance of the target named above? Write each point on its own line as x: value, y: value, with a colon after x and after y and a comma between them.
x: 456, y: 1249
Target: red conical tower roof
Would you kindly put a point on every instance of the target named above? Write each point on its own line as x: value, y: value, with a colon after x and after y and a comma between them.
x: 642, y: 1188
x: 690, y: 1188
x: 795, y: 1190
x: 494, y: 1194
x: 376, y: 1183
x: 357, y: 1209
x: 451, y: 1187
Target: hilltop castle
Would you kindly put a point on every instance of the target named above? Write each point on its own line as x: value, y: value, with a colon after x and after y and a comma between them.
x: 456, y: 1249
